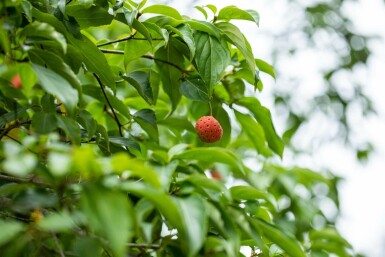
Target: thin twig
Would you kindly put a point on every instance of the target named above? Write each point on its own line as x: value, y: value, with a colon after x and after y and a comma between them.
x: 109, y: 104
x: 150, y: 246
x: 58, y: 245
x: 146, y: 56
x: 15, y: 125
x: 117, y: 40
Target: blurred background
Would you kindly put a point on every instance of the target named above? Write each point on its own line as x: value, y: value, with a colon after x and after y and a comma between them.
x: 327, y: 100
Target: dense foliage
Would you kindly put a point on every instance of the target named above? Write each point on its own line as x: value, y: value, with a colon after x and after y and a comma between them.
x: 99, y: 156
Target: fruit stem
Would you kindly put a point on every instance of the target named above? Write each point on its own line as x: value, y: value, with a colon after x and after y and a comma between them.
x: 211, y: 109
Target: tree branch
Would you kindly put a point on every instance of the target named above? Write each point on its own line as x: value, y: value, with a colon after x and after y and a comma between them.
x: 117, y: 40
x: 60, y: 250
x: 150, y: 246
x: 109, y: 104
x: 15, y: 125
x: 32, y: 180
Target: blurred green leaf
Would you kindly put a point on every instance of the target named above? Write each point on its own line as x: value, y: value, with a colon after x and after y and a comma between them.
x: 87, y: 17
x: 9, y: 229
x: 44, y: 123
x: 108, y: 213
x: 265, y: 67
x: 57, y: 222
x: 70, y: 127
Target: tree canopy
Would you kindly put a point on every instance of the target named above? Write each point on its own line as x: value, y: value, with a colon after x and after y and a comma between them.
x: 99, y: 156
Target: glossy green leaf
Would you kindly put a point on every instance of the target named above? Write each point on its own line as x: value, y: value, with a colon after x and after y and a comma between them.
x: 286, y: 243
x: 95, y: 61
x: 92, y: 16
x: 160, y: 31
x: 163, y: 9
x: 70, y: 127
x: 263, y: 116
x: 147, y: 120
x: 57, y: 86
x: 265, y: 67
x: 135, y: 49
x: 247, y: 193
x: 204, y: 26
x: 124, y: 141
x: 202, y: 10
x: 213, y: 155
x: 109, y: 214
x: 195, y: 222
x: 142, y: 30
x: 44, y: 123
x: 235, y: 37
x: 212, y: 58
x: 195, y: 89
x: 234, y: 13
x: 185, y: 32
x: 9, y: 229
x: 254, y: 131
x: 39, y: 33
x: 169, y: 74
x: 141, y: 82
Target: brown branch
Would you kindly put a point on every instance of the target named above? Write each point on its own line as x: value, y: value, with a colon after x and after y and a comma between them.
x: 110, y: 105
x: 117, y: 40
x: 31, y: 180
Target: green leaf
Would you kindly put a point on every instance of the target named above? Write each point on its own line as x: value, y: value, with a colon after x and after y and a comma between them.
x: 213, y: 8
x: 88, y: 122
x: 41, y: 33
x: 121, y: 162
x: 135, y: 49
x: 202, y: 10
x: 163, y: 9
x: 160, y: 31
x: 95, y: 61
x: 162, y: 201
x: 142, y: 30
x: 147, y: 120
x: 204, y: 26
x: 235, y: 37
x: 132, y: 145
x: 329, y: 234
x: 44, y: 123
x: 234, y: 13
x: 213, y: 155
x: 195, y: 222
x: 212, y: 58
x: 141, y: 82
x: 250, y: 193
x: 108, y: 213
x: 57, y: 86
x: 195, y: 89
x: 9, y: 230
x: 254, y: 131
x: 265, y: 67
x: 10, y: 116
x: 263, y: 116
x: 70, y: 127
x: 57, y: 222
x: 170, y: 75
x: 88, y: 17
x: 185, y: 32
x: 286, y: 243
x: 56, y: 64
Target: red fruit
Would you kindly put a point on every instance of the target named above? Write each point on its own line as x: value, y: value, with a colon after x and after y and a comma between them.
x: 216, y: 175
x: 16, y: 81
x: 209, y: 130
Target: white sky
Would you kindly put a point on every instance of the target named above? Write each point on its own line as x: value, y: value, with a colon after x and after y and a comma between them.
x: 362, y: 219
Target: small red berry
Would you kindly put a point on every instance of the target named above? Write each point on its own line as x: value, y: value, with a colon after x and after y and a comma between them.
x: 16, y: 82
x: 216, y: 175
x: 209, y: 130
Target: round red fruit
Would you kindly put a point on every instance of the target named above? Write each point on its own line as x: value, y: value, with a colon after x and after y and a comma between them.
x: 209, y: 130
x: 16, y: 82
